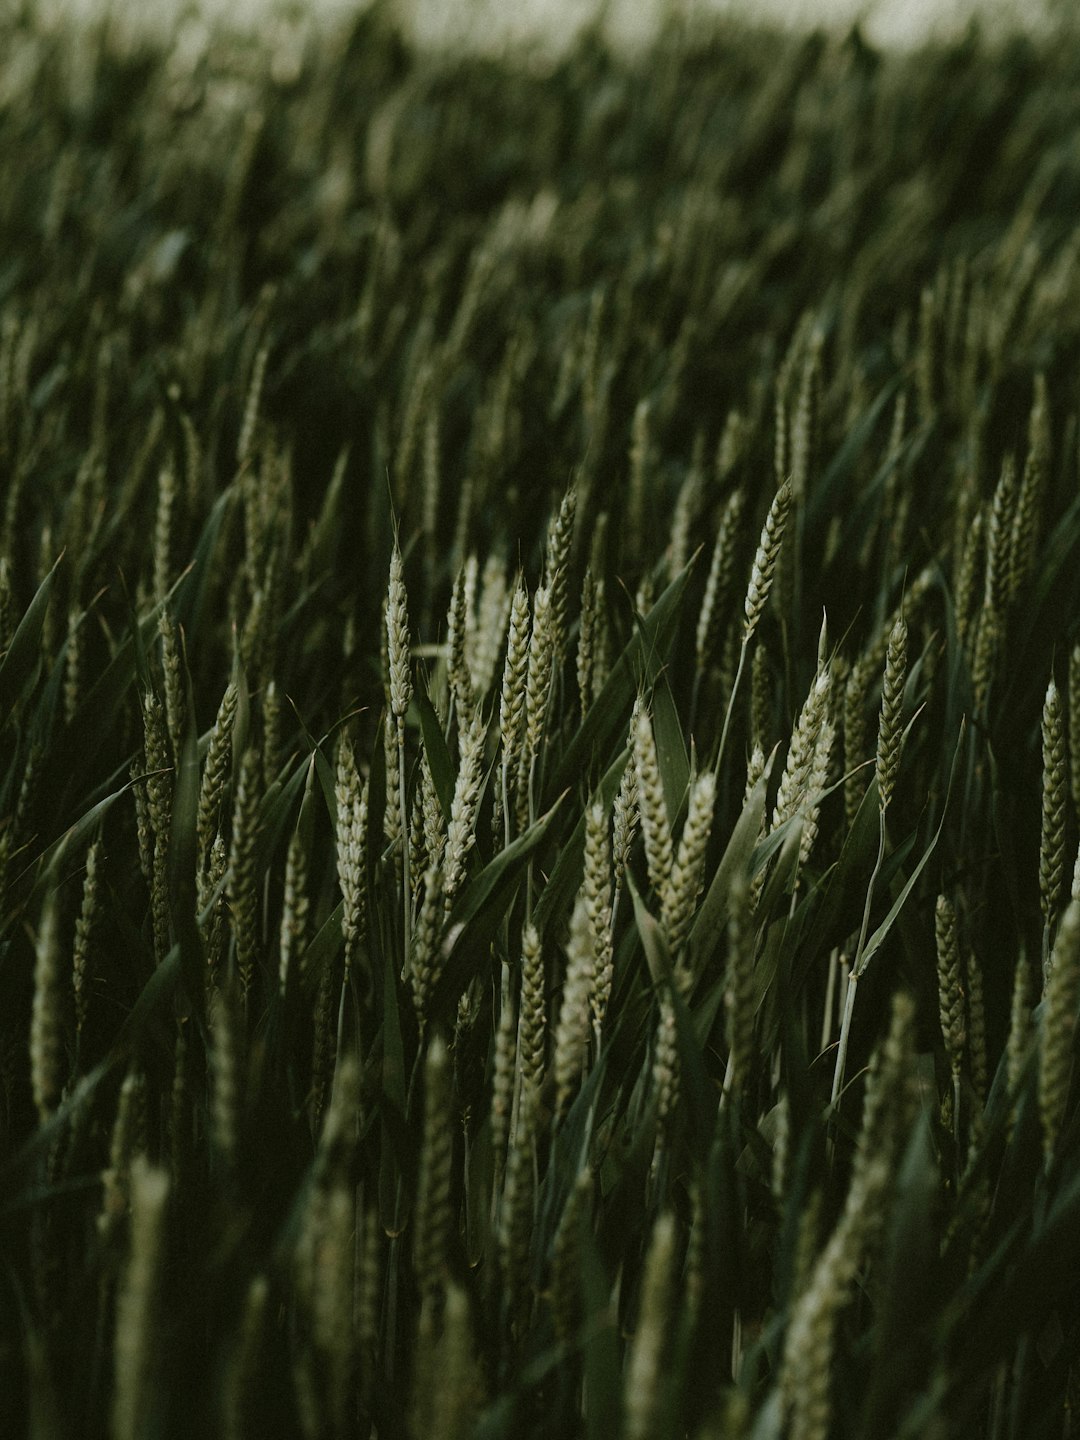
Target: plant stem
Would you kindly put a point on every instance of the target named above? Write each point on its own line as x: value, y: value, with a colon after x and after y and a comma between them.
x: 731, y: 701
x: 406, y: 884
x: 856, y: 969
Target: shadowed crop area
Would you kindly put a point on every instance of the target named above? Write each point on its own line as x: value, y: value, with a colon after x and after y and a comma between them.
x: 539, y: 737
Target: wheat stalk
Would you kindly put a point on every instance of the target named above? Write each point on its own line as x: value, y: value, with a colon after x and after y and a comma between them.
x: 46, y: 1024
x: 434, y: 1217
x: 889, y: 746
x: 596, y: 889
x: 1055, y: 785
x: 652, y: 807
x: 572, y: 1030
x: 950, y: 995
x: 679, y: 900
x: 241, y: 882
x: 1062, y: 996
x: 137, y: 1304
x: 762, y: 575
x: 294, y: 910
x: 643, y: 1389
x: 399, y: 680
x: 461, y: 830
x: 215, y: 773
x: 89, y: 914
x: 352, y: 847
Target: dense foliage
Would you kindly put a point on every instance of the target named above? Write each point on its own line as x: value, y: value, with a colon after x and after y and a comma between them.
x: 540, y: 697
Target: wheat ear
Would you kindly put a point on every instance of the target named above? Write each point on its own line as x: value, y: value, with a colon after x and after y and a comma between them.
x: 1062, y: 996
x: 434, y: 1217
x: 762, y: 574
x: 889, y: 746
x: 680, y: 899
x: 400, y: 686
x: 46, y: 1022
x: 652, y: 807
x: 950, y: 997
x: 643, y: 1387
x: 1055, y: 787
x: 572, y: 1031
x: 137, y: 1304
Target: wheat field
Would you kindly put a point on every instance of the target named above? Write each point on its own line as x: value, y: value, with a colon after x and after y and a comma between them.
x: 540, y: 695
x: 552, y: 26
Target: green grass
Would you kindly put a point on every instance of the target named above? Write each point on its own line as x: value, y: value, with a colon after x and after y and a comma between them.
x: 289, y: 1142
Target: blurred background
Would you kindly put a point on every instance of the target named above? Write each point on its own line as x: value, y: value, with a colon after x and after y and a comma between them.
x: 549, y: 25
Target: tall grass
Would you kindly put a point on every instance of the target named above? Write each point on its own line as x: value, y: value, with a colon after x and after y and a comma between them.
x: 520, y: 595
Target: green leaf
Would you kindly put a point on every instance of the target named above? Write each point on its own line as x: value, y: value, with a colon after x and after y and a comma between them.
x: 98, y: 714
x: 909, y: 1278
x: 183, y: 858
x: 844, y: 891
x: 707, y: 1008
x: 877, y: 939
x: 324, y: 946
x: 324, y: 771
x: 72, y: 842
x: 478, y: 911
x: 556, y: 898
x: 326, y: 534
x: 21, y: 664
x: 479, y: 1171
x: 782, y: 875
x: 609, y: 715
x: 274, y: 811
x: 697, y: 1095
x: 653, y: 940
x: 707, y: 927
x: 438, y: 756
x: 241, y: 729
x: 822, y: 500
x: 396, y: 1141
x: 599, y: 1340
x: 671, y: 757
x: 192, y: 587
x: 482, y: 890
x: 147, y: 1011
